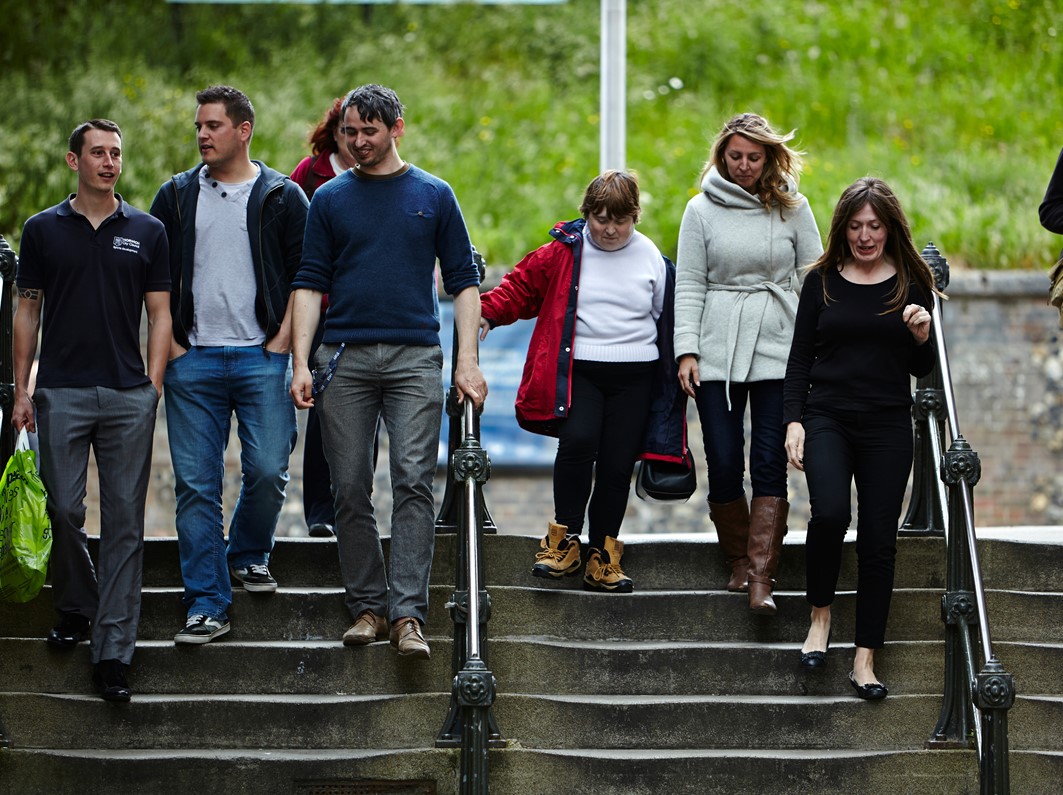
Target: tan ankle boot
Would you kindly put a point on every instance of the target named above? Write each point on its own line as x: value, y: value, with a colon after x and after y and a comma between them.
x: 767, y: 525
x: 603, y: 569
x: 731, y: 520
x: 559, y: 555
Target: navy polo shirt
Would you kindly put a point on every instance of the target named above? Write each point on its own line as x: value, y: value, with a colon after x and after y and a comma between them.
x: 94, y: 282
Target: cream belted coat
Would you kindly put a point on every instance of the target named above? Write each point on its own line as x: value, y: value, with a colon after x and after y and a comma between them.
x: 737, y: 277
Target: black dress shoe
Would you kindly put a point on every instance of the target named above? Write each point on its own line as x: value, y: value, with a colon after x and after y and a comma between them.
x: 109, y: 678
x: 71, y: 630
x: 321, y: 530
x: 815, y: 658
x: 872, y: 691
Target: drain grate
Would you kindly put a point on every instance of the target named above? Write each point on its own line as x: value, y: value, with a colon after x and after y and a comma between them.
x: 364, y: 787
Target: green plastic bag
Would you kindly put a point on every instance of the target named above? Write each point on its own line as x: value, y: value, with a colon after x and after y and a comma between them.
x: 25, y: 530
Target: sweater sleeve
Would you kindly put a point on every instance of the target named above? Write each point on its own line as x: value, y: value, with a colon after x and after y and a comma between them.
x: 924, y: 356
x: 691, y: 283
x: 453, y: 246
x: 1051, y: 210
x: 316, y: 265
x: 802, y: 350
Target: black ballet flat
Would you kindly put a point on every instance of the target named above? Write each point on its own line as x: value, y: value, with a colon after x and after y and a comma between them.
x: 816, y: 658
x: 872, y: 691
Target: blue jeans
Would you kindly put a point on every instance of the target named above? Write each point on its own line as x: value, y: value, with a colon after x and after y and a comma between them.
x: 404, y: 385
x: 724, y: 433
x: 203, y: 389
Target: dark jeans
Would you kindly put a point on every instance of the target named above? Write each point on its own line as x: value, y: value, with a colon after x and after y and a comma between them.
x: 874, y: 449
x: 723, y: 430
x: 600, y: 439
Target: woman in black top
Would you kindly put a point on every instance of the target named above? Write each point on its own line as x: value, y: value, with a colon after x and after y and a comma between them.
x: 861, y: 333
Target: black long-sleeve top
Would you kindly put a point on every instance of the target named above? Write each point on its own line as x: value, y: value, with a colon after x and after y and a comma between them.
x: 846, y: 355
x: 1051, y: 210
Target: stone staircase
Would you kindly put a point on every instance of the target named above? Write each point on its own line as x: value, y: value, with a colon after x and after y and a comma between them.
x: 676, y: 688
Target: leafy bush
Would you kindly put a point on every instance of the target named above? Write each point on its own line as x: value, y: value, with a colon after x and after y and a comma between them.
x: 954, y: 102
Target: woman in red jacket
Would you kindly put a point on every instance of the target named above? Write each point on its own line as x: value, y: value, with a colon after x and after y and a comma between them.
x: 591, y: 368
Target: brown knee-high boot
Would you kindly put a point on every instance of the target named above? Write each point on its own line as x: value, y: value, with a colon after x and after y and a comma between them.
x: 731, y: 520
x: 767, y: 525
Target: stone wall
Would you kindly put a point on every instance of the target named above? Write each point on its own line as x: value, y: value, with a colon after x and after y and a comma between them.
x: 1007, y: 367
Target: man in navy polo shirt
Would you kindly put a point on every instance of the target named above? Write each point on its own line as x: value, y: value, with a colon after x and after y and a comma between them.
x: 94, y: 261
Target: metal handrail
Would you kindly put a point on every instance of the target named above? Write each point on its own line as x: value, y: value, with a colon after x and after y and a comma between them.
x: 470, y: 723
x: 974, y: 704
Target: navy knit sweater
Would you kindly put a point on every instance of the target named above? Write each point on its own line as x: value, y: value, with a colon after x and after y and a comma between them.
x: 372, y: 243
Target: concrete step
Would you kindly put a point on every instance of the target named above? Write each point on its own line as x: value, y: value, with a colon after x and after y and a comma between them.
x: 320, y: 614
x: 575, y: 771
x: 413, y: 721
x: 686, y: 563
x: 225, y: 721
x: 521, y: 665
x: 250, y: 771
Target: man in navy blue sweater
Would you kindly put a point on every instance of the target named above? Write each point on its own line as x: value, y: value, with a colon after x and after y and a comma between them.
x: 373, y: 236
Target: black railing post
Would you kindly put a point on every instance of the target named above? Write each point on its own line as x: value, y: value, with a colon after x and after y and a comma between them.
x: 8, y: 264
x: 994, y: 694
x: 960, y: 469
x: 447, y: 518
x: 470, y: 722
x: 926, y: 508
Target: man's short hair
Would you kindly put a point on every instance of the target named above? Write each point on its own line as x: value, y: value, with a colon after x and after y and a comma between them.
x: 374, y: 102
x: 77, y: 138
x: 237, y: 106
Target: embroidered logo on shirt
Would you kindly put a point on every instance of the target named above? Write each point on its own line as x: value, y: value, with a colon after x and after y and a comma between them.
x: 127, y: 244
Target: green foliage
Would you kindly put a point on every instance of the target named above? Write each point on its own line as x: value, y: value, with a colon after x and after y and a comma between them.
x: 954, y: 102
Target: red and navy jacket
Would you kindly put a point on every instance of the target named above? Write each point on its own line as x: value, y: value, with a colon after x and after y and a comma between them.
x: 545, y: 285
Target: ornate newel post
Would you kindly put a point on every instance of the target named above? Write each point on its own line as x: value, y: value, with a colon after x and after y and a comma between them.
x: 8, y: 263
x: 994, y: 694
x: 470, y: 723
x: 926, y: 509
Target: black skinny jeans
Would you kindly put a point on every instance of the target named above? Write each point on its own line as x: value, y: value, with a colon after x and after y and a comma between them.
x: 600, y: 440
x: 874, y: 448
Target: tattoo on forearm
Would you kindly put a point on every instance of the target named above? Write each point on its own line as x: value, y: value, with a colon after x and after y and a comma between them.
x: 32, y: 295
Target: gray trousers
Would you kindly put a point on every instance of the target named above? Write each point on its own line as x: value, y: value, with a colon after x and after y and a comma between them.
x: 118, y: 424
x: 404, y: 385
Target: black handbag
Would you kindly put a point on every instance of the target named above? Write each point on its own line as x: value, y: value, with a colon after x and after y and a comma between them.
x: 663, y: 481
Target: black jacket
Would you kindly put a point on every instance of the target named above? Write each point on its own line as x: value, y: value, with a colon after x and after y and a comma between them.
x: 276, y: 219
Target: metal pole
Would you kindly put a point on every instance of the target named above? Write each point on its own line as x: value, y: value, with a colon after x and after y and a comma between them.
x: 613, y: 84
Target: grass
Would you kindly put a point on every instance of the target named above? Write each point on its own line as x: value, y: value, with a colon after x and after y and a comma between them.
x: 954, y: 102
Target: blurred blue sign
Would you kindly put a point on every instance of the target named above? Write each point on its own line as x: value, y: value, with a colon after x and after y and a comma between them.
x: 502, y: 357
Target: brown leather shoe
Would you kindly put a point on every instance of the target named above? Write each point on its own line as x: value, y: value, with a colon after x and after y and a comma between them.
x: 406, y: 636
x: 367, y: 628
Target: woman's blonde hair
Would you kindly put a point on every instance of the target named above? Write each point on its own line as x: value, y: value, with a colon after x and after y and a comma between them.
x: 781, y: 163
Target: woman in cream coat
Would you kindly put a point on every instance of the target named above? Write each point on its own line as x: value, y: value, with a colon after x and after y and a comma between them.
x: 742, y: 243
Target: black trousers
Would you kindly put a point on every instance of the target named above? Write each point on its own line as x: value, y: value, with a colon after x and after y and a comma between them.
x: 317, y: 481
x: 874, y: 450
x: 600, y: 441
